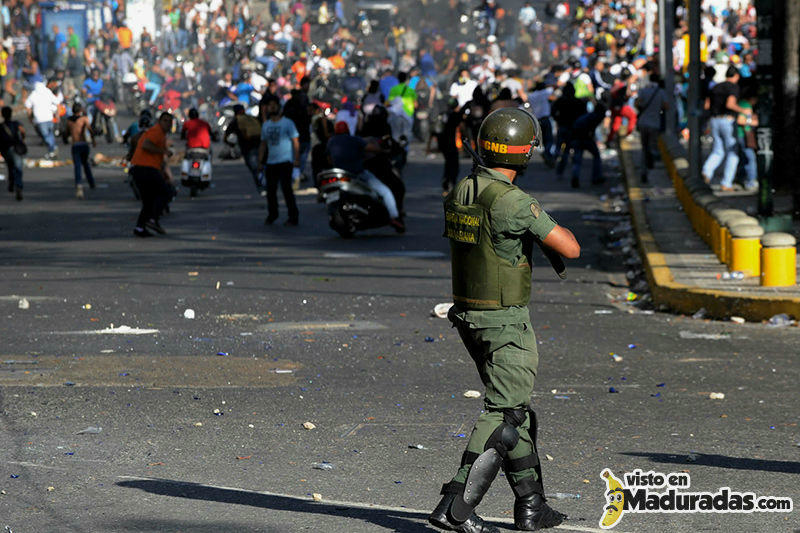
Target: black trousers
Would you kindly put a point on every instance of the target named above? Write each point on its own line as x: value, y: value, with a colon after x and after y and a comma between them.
x: 280, y: 174
x: 152, y: 191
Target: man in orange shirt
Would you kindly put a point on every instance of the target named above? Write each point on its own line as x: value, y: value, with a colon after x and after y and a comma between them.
x: 147, y: 171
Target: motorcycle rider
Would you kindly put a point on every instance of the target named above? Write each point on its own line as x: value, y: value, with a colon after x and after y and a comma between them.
x: 92, y: 88
x: 347, y: 152
x: 197, y: 132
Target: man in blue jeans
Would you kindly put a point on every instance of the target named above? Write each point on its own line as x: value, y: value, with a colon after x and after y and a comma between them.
x: 248, y: 135
x: 78, y: 129
x: 280, y: 152
x: 724, y: 106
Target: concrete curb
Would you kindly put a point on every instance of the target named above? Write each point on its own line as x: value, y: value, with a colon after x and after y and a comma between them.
x: 683, y: 298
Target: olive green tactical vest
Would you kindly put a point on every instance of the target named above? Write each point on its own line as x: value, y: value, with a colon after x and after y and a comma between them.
x: 482, y: 280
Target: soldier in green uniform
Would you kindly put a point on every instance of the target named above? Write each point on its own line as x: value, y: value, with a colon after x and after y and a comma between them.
x: 492, y: 226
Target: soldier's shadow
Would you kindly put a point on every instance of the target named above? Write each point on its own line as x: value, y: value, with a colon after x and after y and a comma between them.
x: 392, y: 519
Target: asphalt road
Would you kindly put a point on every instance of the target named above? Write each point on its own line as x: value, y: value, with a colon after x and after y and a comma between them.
x: 296, y: 325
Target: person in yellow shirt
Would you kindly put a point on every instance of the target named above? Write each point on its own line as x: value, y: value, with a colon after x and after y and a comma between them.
x: 124, y: 36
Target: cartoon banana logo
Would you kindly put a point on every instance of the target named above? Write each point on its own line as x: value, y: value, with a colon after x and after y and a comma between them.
x: 615, y: 496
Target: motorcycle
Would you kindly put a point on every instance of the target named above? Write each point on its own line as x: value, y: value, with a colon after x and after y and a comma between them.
x: 196, y: 170
x: 133, y: 93
x: 105, y: 119
x: 351, y: 205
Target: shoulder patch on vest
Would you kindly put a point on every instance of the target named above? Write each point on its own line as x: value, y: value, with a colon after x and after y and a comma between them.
x: 536, y: 210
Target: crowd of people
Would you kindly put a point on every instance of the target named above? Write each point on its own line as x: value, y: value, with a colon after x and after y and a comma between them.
x: 580, y: 67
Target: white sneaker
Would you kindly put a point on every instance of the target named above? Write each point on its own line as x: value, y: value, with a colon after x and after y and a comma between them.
x: 79, y: 192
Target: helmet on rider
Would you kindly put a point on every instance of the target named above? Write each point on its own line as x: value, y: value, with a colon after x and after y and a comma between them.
x: 507, y: 138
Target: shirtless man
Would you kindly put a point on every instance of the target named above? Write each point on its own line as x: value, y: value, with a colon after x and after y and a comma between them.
x: 77, y: 128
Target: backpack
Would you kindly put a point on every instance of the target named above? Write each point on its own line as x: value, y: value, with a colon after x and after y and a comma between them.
x: 249, y: 127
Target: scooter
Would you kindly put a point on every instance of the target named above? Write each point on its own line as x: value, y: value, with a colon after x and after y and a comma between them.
x: 196, y: 170
x: 105, y: 120
x: 352, y: 206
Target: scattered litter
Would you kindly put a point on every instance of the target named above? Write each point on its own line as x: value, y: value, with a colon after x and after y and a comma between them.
x: 309, y: 425
x: 561, y: 397
x: 691, y: 458
x: 51, y: 489
x: 700, y: 313
x: 612, y: 390
x: 189, y: 314
x: 472, y: 394
x: 656, y: 395
x: 586, y: 481
x: 566, y: 495
x: 198, y: 424
x: 121, y: 330
x: 91, y: 430
x: 24, y: 304
x: 217, y: 287
x: 779, y: 321
x: 717, y: 396
x: 631, y: 346
x: 706, y: 336
x: 631, y: 296
x: 429, y: 339
x: 616, y: 358
x: 34, y: 414
x: 737, y: 320
x: 548, y: 457
x: 222, y: 354
x: 661, y: 385
x: 317, y: 497
x: 243, y: 457
x: 603, y: 311
x: 194, y: 274
x: 417, y: 447
x: 736, y: 275
x: 87, y: 306
x: 14, y: 476
x: 69, y: 383
x: 157, y: 463
x: 460, y: 435
x: 283, y: 371
x: 324, y: 465
x: 440, y: 310
x: 217, y: 412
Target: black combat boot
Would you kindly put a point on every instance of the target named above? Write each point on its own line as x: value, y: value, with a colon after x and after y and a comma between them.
x: 531, y: 513
x: 441, y: 519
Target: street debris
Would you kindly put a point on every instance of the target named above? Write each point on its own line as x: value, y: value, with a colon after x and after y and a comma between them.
x: 612, y: 390
x: 548, y: 457
x: 50, y: 488
x: 706, y: 336
x: 603, y: 311
x: 616, y: 358
x: 716, y: 396
x: 691, y: 458
x: 440, y: 310
x: 189, y: 314
x: 317, y: 497
x: 24, y: 304
x: 472, y: 394
x: 198, y: 424
x: 417, y: 447
x: 561, y: 397
x: 565, y: 495
x: 779, y: 321
x: 309, y: 425
x: 217, y: 412
x: 91, y: 430
x: 324, y: 465
x: 88, y: 307
x: 737, y: 320
x: 283, y: 371
x: 700, y: 313
x: 243, y: 457
x: 429, y: 339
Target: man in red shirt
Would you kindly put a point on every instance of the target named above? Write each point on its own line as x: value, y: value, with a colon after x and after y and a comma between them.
x: 196, y: 131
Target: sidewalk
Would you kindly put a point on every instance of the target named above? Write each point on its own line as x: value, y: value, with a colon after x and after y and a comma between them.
x: 684, y: 274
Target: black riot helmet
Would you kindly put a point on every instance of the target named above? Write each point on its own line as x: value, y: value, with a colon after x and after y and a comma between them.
x: 507, y: 138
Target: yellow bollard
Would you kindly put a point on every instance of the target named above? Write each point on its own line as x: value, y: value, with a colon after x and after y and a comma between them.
x: 723, y: 236
x: 778, y: 260
x: 746, y: 248
x: 718, y: 216
x: 728, y: 237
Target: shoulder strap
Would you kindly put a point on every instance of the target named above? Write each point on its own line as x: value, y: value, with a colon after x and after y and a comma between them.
x: 493, y: 192
x: 650, y: 100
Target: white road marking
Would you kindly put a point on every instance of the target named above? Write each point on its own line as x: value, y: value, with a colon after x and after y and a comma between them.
x: 352, y: 505
x: 121, y: 330
x: 397, y: 253
x: 15, y: 297
x: 356, y: 325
